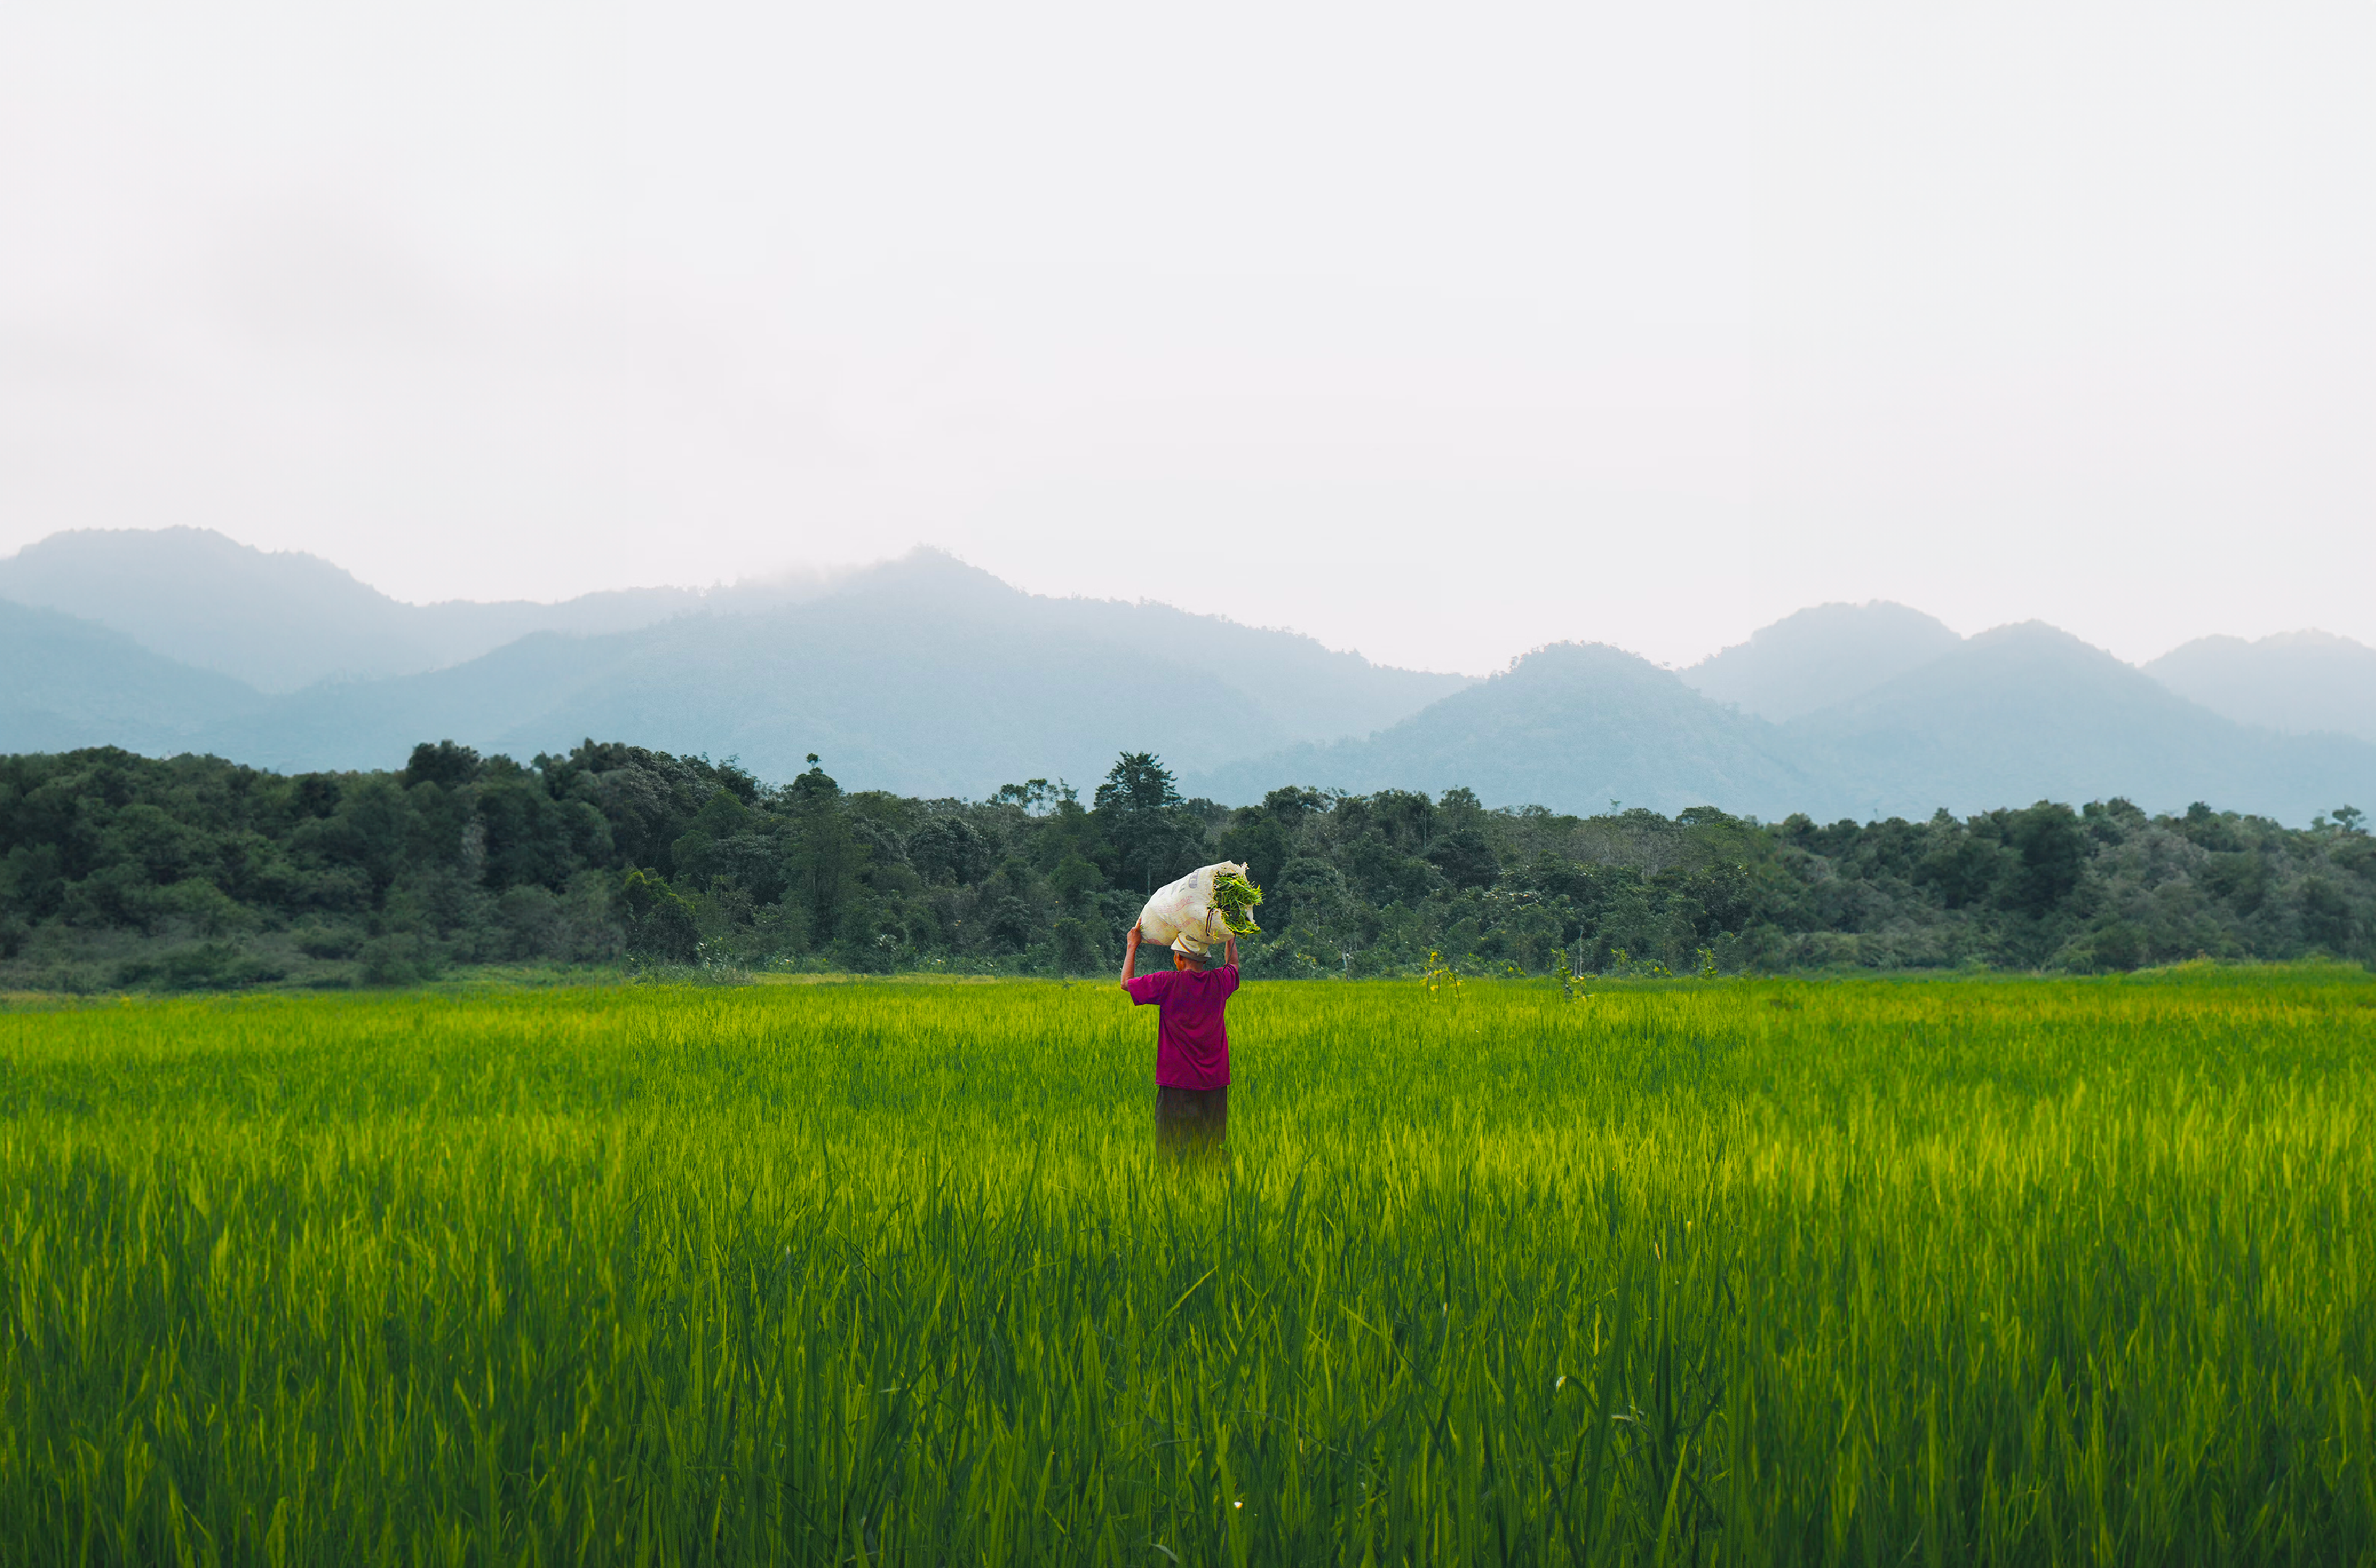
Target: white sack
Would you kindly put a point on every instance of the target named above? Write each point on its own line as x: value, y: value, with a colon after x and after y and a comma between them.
x: 1181, y: 913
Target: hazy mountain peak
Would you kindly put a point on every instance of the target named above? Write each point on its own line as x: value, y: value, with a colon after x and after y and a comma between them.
x: 2294, y: 682
x: 140, y: 562
x: 1573, y: 726
x: 1572, y: 659
x: 276, y: 620
x: 2040, y: 636
x: 927, y: 572
x: 281, y: 619
x: 1823, y: 655
x: 2310, y: 638
x: 2028, y: 667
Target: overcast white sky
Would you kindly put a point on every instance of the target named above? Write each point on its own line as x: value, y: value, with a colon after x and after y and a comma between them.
x: 1437, y: 333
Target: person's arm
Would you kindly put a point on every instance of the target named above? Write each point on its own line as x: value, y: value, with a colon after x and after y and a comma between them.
x: 1229, y: 951
x: 1129, y: 958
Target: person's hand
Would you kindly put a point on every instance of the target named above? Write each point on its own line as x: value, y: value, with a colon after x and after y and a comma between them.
x: 1132, y: 938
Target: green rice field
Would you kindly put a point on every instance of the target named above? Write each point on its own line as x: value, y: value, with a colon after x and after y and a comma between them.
x: 1959, y: 1270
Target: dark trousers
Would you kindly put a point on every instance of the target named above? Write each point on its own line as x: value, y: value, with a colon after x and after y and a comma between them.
x: 1191, y: 1121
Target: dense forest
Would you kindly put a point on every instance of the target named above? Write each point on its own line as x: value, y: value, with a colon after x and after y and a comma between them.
x: 122, y: 870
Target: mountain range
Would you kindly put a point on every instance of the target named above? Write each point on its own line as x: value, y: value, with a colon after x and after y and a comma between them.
x: 928, y: 676
x: 924, y: 674
x: 2014, y: 715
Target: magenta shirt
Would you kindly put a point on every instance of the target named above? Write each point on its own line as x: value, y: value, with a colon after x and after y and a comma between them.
x: 1191, y: 1043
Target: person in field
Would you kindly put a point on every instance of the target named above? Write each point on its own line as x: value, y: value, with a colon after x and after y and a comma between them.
x: 1191, y: 1043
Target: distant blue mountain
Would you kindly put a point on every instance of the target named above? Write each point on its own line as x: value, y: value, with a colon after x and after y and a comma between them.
x: 1821, y: 656
x: 2027, y: 712
x: 926, y: 676
x: 281, y: 621
x: 66, y: 683
x: 1574, y: 727
x: 2017, y: 714
x: 2301, y: 683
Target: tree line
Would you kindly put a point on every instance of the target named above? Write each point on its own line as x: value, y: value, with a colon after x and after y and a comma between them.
x: 189, y: 872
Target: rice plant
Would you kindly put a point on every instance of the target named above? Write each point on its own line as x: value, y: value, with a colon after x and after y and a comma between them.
x: 1954, y: 1270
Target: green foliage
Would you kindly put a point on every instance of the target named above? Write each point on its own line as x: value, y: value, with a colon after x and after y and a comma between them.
x: 206, y: 966
x: 1141, y: 816
x: 660, y: 922
x: 2014, y: 1271
x: 1236, y: 898
x: 117, y: 870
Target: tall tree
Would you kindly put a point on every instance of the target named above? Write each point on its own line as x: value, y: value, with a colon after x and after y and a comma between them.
x: 826, y: 858
x: 1139, y: 810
